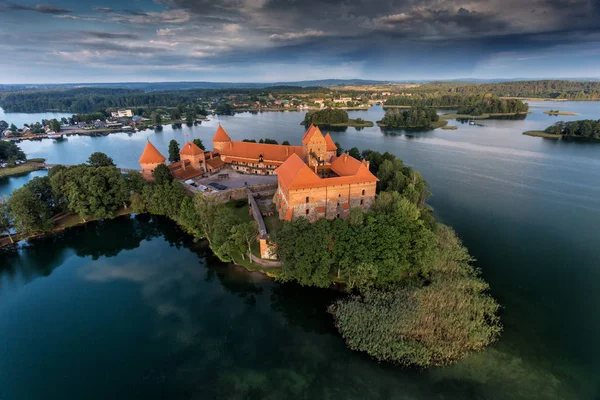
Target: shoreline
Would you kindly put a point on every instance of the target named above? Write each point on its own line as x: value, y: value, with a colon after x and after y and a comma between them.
x: 441, y: 123
x: 23, y: 169
x: 561, y: 113
x: 542, y: 134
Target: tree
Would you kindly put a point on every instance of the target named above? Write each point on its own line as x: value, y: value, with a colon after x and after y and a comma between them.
x: 98, y: 192
x: 30, y: 214
x: 134, y: 182
x: 327, y: 116
x: 6, y: 223
x: 3, y: 125
x: 285, y: 143
x: 173, y: 151
x: 189, y: 218
x: 162, y: 174
x: 164, y: 198
x: 339, y: 149
x: 354, y: 152
x: 198, y: 142
x: 244, y: 236
x: 424, y: 323
x: 54, y: 125
x: 206, y: 207
x: 303, y: 249
x: 222, y: 243
x: 99, y: 159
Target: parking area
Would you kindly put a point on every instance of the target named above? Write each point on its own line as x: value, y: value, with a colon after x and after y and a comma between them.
x: 236, y: 180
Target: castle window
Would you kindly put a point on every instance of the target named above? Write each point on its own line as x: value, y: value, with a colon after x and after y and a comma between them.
x: 307, y: 210
x: 340, y: 195
x: 307, y: 199
x: 338, y: 215
x: 363, y: 192
x: 362, y: 202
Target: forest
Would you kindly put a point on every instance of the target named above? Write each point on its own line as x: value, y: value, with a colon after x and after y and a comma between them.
x: 415, y: 117
x: 585, y: 128
x: 468, y: 105
x: 10, y: 152
x: 88, y: 100
x: 552, y: 89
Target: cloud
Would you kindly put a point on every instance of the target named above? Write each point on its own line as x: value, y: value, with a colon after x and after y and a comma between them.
x: 309, y: 33
x: 111, y: 35
x: 40, y: 8
x: 103, y: 9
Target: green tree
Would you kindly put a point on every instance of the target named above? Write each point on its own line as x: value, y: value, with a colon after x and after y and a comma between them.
x: 189, y: 217
x: 339, y: 150
x: 54, y: 125
x: 98, y: 192
x: 206, y: 207
x: 30, y: 213
x: 6, y: 223
x: 98, y: 159
x: 285, y: 143
x: 162, y: 174
x: 223, y: 243
x: 164, y: 198
x: 173, y: 151
x: 354, y: 152
x: 198, y: 142
x: 134, y: 181
x: 303, y: 249
x: 244, y: 236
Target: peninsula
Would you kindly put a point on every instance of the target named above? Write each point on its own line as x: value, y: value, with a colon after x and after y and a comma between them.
x: 582, y: 129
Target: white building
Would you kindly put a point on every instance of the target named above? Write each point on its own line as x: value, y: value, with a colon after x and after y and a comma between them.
x: 121, y: 114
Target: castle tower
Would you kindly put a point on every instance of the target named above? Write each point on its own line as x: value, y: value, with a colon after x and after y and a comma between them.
x: 315, y: 146
x: 221, y: 139
x: 331, y: 148
x: 194, y: 154
x: 150, y: 159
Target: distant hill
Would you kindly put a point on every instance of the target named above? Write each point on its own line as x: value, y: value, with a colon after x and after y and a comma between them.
x: 165, y: 86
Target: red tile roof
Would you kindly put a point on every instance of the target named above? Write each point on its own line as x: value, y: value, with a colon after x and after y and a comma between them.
x: 151, y: 155
x: 221, y: 135
x: 312, y: 130
x: 191, y: 149
x: 215, y: 162
x: 330, y: 145
x: 182, y: 174
x: 253, y: 151
x: 295, y: 174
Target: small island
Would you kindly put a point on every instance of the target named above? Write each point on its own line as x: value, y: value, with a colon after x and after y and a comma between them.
x: 330, y: 117
x: 557, y: 112
x: 414, y: 118
x: 582, y: 129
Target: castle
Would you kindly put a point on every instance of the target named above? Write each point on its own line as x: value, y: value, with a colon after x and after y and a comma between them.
x: 312, y: 181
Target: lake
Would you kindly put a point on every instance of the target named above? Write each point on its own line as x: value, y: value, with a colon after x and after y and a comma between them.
x: 527, y: 208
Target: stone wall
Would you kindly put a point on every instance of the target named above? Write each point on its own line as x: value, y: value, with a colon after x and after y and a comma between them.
x: 240, y: 193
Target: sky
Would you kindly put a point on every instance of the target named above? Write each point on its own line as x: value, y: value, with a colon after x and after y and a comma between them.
x: 69, y: 41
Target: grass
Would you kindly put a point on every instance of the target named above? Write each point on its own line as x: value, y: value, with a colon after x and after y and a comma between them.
x: 240, y: 209
x: 270, y: 272
x: 19, y: 169
x: 542, y: 134
x: 450, y: 127
x: 273, y: 223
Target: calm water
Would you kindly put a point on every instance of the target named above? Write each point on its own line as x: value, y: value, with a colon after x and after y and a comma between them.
x: 527, y: 208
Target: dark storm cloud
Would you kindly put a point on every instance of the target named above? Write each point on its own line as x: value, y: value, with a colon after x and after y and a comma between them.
x: 40, y: 8
x: 111, y: 35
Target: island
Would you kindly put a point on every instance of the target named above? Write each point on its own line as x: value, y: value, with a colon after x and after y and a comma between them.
x: 331, y: 117
x: 582, y: 129
x: 360, y: 224
x: 558, y: 112
x: 414, y: 118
